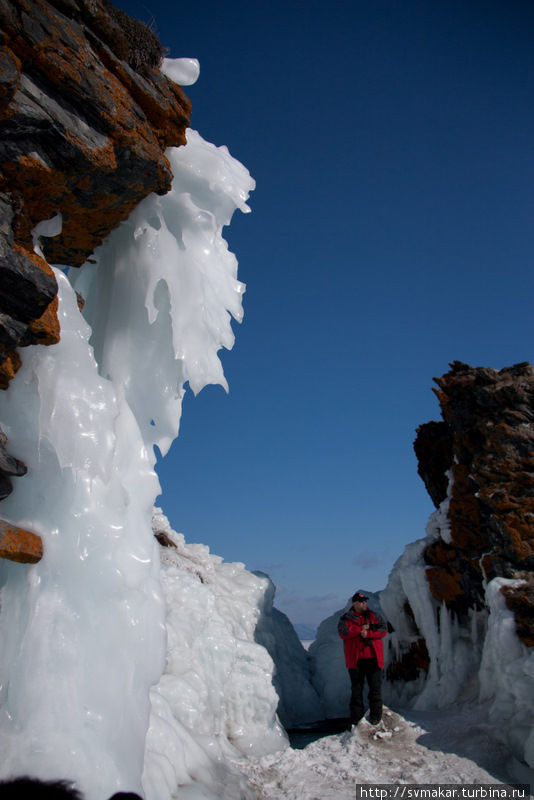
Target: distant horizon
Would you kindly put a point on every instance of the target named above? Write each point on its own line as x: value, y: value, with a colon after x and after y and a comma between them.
x: 390, y: 234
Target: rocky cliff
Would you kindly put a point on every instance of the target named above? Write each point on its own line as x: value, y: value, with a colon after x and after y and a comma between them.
x: 477, y: 464
x: 486, y: 445
x: 86, y: 117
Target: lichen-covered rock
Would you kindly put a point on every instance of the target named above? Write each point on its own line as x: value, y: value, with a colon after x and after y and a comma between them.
x: 85, y: 118
x: 486, y: 444
x: 18, y: 544
x: 9, y: 467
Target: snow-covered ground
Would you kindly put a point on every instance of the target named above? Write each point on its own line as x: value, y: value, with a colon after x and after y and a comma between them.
x: 447, y: 747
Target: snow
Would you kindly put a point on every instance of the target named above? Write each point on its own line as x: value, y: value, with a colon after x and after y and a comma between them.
x: 453, y: 747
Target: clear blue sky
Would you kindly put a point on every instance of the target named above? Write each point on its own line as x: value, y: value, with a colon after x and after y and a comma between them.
x: 391, y: 233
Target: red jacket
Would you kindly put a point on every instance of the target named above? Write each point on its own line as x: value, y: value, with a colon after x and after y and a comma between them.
x: 350, y: 629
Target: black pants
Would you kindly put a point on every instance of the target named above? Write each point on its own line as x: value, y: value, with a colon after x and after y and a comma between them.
x: 366, y: 669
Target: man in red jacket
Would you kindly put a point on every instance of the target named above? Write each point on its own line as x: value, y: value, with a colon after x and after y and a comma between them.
x: 362, y: 632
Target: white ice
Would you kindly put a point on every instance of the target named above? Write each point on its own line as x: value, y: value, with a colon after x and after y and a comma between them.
x: 184, y: 71
x: 82, y: 632
x: 215, y: 701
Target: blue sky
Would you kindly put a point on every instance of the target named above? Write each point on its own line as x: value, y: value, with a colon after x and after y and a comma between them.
x: 391, y: 233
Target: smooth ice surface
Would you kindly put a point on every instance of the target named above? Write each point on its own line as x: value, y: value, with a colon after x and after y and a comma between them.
x: 164, y: 288
x: 299, y: 702
x: 82, y: 630
x: 82, y: 633
x: 184, y: 71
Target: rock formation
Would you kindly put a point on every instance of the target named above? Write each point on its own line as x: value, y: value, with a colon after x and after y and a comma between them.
x: 480, y: 459
x: 486, y: 444
x: 86, y: 117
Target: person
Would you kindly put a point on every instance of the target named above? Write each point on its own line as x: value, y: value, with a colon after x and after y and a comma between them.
x: 362, y: 631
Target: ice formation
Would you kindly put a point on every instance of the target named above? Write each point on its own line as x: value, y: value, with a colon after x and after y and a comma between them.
x: 479, y: 660
x: 215, y: 700
x: 299, y: 702
x: 83, y: 631
x: 184, y: 71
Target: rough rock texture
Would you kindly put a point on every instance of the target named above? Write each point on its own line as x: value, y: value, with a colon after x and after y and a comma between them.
x: 18, y: 544
x: 486, y: 442
x: 85, y: 118
x: 9, y: 466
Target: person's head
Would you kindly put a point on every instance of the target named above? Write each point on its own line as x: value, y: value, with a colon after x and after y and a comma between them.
x: 359, y: 602
x: 25, y: 788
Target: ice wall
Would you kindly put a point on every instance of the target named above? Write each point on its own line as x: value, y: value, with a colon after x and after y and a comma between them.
x: 215, y: 701
x: 83, y: 631
x: 66, y: 685
x: 299, y: 702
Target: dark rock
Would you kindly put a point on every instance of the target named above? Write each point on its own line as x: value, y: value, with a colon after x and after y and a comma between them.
x: 9, y: 466
x: 410, y: 664
x: 489, y: 419
x: 433, y: 448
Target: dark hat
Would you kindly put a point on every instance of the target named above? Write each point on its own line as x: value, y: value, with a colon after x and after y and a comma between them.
x: 359, y: 597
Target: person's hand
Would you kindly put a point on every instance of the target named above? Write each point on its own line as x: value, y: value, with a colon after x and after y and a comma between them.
x: 365, y: 628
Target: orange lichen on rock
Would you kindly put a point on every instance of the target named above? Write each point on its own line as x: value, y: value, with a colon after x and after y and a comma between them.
x: 46, y: 329
x: 520, y: 600
x: 464, y: 512
x: 9, y: 366
x: 488, y: 417
x: 445, y: 584
x: 86, y: 117
x: 18, y: 544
